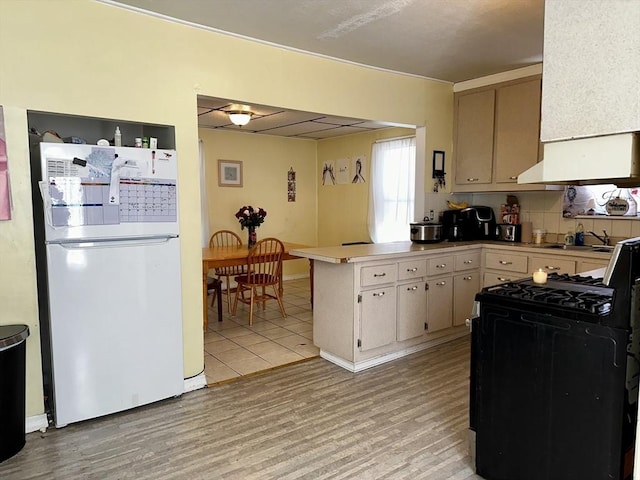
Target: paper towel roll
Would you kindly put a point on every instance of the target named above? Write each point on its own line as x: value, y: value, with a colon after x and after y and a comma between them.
x: 526, y: 232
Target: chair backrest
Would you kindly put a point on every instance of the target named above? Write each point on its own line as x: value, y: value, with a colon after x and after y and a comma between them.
x: 225, y: 238
x: 265, y: 261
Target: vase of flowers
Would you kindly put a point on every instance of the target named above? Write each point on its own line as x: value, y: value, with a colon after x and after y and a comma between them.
x: 251, y: 218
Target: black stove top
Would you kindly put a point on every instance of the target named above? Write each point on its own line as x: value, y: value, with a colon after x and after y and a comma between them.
x: 568, y: 292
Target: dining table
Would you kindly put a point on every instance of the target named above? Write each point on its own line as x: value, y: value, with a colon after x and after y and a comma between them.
x: 216, y: 257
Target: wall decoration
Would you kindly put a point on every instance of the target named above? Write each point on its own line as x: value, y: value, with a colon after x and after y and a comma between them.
x: 357, y: 169
x: 291, y: 185
x: 343, y: 173
x: 328, y: 172
x: 229, y: 173
x: 5, y: 197
x: 438, y: 170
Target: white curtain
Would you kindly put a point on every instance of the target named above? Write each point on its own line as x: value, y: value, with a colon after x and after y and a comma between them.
x: 204, y: 207
x: 392, y: 189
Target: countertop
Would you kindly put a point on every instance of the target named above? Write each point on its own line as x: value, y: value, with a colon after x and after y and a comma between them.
x: 373, y: 251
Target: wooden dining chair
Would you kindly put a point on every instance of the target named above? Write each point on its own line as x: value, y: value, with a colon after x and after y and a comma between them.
x: 227, y: 238
x: 264, y: 267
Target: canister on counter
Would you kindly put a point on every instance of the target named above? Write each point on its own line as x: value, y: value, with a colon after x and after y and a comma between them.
x: 539, y: 235
x: 138, y: 142
x: 145, y: 142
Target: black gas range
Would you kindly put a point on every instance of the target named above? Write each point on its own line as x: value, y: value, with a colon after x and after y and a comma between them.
x: 554, y: 374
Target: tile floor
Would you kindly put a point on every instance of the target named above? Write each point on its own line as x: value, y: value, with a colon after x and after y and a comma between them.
x: 232, y: 348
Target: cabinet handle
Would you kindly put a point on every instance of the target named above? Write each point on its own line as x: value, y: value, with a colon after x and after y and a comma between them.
x: 379, y: 275
x: 472, y: 179
x: 414, y: 269
x: 442, y: 265
x: 504, y: 262
x: 551, y: 267
x: 468, y: 262
x: 513, y: 177
x: 412, y: 288
x: 504, y: 279
x: 440, y: 284
x: 467, y: 278
x: 381, y: 294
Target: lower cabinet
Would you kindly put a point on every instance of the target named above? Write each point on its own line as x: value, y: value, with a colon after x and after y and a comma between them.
x: 411, y: 319
x: 439, y: 303
x: 377, y: 317
x: 465, y: 286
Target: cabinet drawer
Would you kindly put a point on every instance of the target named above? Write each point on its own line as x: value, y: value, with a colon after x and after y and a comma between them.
x: 378, y: 275
x: 412, y: 269
x: 506, y: 261
x: 467, y: 261
x: 496, y: 278
x: 553, y: 264
x: 440, y: 265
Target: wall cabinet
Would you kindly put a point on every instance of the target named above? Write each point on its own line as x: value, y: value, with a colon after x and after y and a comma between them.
x: 496, y: 136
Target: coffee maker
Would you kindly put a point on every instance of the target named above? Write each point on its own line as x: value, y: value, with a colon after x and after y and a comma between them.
x: 478, y: 223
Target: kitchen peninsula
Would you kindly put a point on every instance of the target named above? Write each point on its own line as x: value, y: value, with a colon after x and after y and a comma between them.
x: 377, y: 302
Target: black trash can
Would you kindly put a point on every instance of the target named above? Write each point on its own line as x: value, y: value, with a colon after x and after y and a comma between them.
x: 13, y: 350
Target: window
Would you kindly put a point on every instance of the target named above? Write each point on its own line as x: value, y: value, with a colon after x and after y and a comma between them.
x: 392, y: 189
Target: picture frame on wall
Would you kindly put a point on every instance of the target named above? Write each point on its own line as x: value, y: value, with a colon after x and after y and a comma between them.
x: 229, y: 173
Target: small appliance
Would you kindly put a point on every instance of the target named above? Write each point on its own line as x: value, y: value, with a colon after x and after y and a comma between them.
x: 426, y: 232
x: 452, y: 225
x: 479, y: 223
x: 508, y: 233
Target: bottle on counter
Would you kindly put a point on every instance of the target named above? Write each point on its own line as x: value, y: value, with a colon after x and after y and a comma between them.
x: 117, y: 138
x: 579, y: 238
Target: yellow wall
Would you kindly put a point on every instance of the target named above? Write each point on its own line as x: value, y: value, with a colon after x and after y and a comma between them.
x: 265, y: 160
x: 88, y: 58
x: 342, y: 209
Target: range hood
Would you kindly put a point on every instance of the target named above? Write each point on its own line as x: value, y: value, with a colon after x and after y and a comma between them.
x: 588, y: 161
x: 590, y: 112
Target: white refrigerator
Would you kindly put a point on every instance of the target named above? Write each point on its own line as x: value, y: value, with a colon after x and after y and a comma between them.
x: 113, y: 277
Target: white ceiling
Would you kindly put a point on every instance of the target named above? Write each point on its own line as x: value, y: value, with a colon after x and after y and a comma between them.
x: 448, y: 40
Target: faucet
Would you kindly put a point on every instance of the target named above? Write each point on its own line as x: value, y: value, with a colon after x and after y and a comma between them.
x: 604, y: 239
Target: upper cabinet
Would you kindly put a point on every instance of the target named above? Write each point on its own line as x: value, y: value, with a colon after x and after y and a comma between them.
x: 496, y: 136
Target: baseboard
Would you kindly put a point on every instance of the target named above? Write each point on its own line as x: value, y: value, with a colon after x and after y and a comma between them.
x: 195, y: 383
x: 295, y: 276
x: 36, y: 422
x: 379, y: 360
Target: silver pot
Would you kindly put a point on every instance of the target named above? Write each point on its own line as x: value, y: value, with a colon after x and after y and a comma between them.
x: 426, y: 232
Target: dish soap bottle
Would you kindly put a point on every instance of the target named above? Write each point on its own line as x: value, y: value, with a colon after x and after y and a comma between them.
x: 117, y: 138
x: 579, y: 237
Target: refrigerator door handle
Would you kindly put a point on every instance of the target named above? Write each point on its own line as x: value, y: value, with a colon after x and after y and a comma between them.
x: 114, y: 242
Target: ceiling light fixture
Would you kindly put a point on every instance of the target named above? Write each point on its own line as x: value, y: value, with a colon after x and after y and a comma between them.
x: 239, y: 114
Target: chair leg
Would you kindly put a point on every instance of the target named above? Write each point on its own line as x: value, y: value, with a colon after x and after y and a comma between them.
x: 228, y: 282
x: 253, y: 294
x: 235, y: 301
x: 280, y: 304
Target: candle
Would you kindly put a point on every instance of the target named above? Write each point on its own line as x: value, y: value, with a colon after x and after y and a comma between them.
x: 540, y: 276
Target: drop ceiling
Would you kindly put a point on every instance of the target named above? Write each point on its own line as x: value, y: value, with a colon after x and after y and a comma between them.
x: 448, y: 40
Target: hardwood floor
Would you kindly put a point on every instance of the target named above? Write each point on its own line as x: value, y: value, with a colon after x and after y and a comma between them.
x: 406, y: 419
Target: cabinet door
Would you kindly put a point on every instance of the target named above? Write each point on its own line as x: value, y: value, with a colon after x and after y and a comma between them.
x: 465, y: 287
x: 474, y: 137
x: 377, y: 317
x: 412, y: 311
x: 517, y: 130
x: 439, y: 304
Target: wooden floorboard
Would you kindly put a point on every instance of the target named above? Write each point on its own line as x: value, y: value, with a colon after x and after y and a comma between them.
x: 404, y: 420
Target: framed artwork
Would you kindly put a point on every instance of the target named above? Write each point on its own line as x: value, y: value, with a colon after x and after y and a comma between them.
x: 229, y: 173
